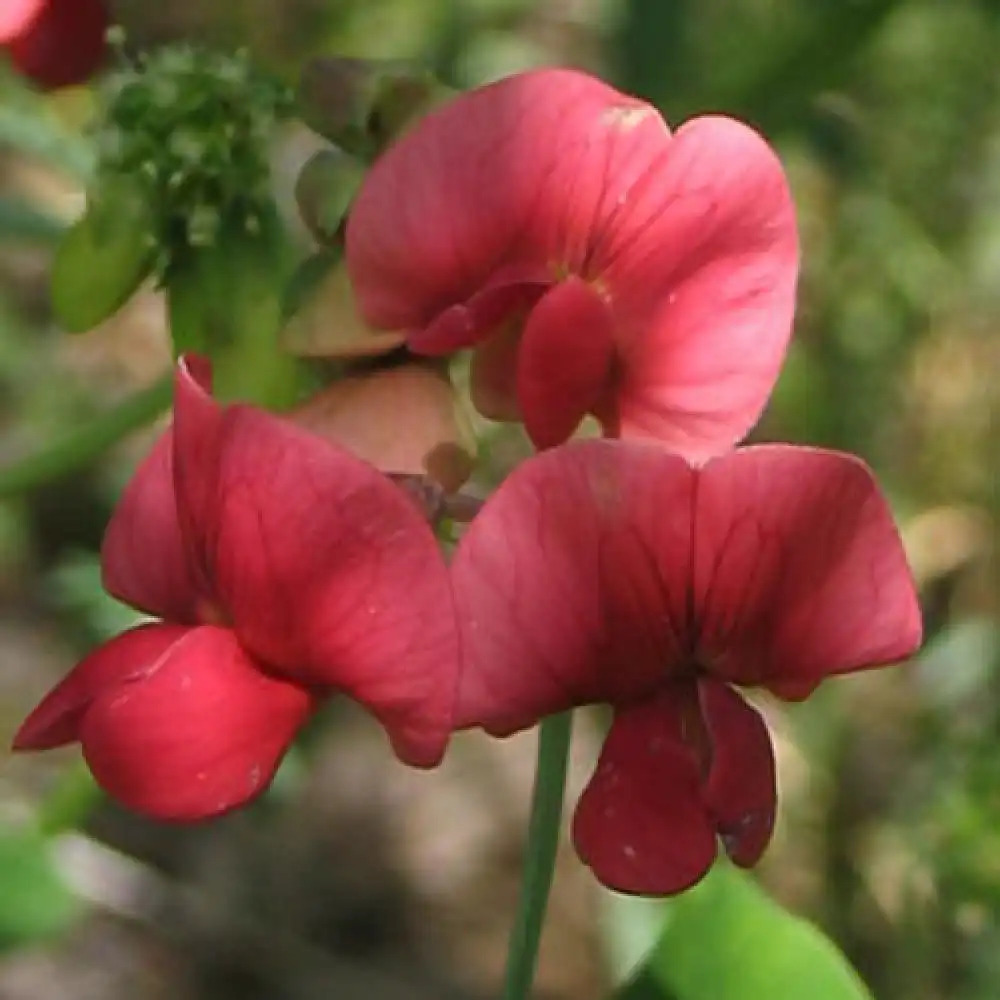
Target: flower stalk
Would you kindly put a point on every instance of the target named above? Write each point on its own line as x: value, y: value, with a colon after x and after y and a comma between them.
x: 540, y: 859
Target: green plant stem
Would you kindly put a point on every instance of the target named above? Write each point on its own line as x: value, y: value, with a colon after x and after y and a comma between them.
x: 539, y: 863
x: 82, y: 446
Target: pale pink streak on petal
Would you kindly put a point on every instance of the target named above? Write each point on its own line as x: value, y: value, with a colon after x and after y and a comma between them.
x: 799, y: 570
x: 571, y: 583
x: 327, y: 571
x: 126, y: 658
x: 565, y: 362
x: 143, y: 559
x: 701, y: 264
x: 741, y: 791
x: 197, y: 736
x: 641, y: 824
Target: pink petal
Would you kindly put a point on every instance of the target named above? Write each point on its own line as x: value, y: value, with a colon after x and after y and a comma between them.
x: 327, y: 571
x: 464, y: 325
x: 513, y: 173
x: 571, y: 583
x: 740, y: 792
x: 128, y: 657
x: 799, y: 571
x: 640, y: 823
x: 701, y: 263
x: 63, y: 44
x: 143, y: 559
x: 16, y: 16
x: 565, y: 361
x: 201, y: 733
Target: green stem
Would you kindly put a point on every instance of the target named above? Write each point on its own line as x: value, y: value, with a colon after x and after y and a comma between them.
x: 543, y: 840
x: 83, y: 445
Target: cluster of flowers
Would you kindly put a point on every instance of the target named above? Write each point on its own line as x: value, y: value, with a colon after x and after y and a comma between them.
x: 596, y: 264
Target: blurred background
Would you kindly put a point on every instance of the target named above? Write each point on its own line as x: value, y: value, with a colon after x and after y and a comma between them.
x: 357, y: 878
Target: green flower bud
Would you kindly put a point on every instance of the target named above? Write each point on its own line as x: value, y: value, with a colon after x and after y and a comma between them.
x: 324, y: 190
x: 103, y: 257
x: 363, y: 104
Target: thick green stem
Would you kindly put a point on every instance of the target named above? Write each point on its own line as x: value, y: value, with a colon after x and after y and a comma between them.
x: 543, y: 840
x: 83, y: 445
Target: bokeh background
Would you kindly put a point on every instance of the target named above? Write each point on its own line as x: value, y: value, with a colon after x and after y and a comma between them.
x: 356, y: 878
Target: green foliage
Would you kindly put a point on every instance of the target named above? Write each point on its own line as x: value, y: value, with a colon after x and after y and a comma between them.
x: 104, y: 256
x: 35, y: 903
x: 725, y: 939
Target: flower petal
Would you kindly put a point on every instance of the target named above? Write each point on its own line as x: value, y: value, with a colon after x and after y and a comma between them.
x: 63, y: 44
x: 741, y: 790
x: 200, y: 734
x: 799, y: 571
x: 565, y: 361
x: 701, y: 263
x: 640, y: 823
x: 508, y: 174
x: 404, y: 419
x: 16, y: 16
x: 503, y: 302
x: 143, y: 558
x: 128, y: 657
x: 326, y: 570
x: 571, y: 583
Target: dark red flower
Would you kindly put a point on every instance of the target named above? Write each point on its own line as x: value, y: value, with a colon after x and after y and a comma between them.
x: 597, y: 263
x: 285, y: 570
x: 56, y: 43
x: 614, y: 572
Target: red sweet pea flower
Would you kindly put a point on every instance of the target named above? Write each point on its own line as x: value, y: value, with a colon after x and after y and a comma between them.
x: 285, y: 569
x: 598, y: 263
x: 56, y: 43
x: 612, y: 571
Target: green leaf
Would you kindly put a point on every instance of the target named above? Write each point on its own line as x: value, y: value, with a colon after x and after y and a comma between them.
x: 726, y: 939
x: 35, y: 903
x: 103, y: 258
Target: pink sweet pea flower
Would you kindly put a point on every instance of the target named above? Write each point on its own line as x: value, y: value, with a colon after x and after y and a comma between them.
x: 597, y: 263
x: 614, y: 572
x: 56, y: 43
x: 285, y: 570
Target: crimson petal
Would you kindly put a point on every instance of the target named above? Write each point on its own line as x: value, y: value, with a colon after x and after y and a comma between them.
x: 702, y: 264
x: 571, y: 583
x: 565, y: 361
x: 196, y: 736
x: 740, y: 791
x: 325, y: 569
x: 143, y: 558
x: 799, y: 572
x: 513, y: 173
x: 17, y: 16
x: 128, y: 657
x: 641, y: 824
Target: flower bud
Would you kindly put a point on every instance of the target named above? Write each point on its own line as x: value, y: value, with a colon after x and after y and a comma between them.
x: 323, y: 191
x: 103, y: 257
x: 363, y: 104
